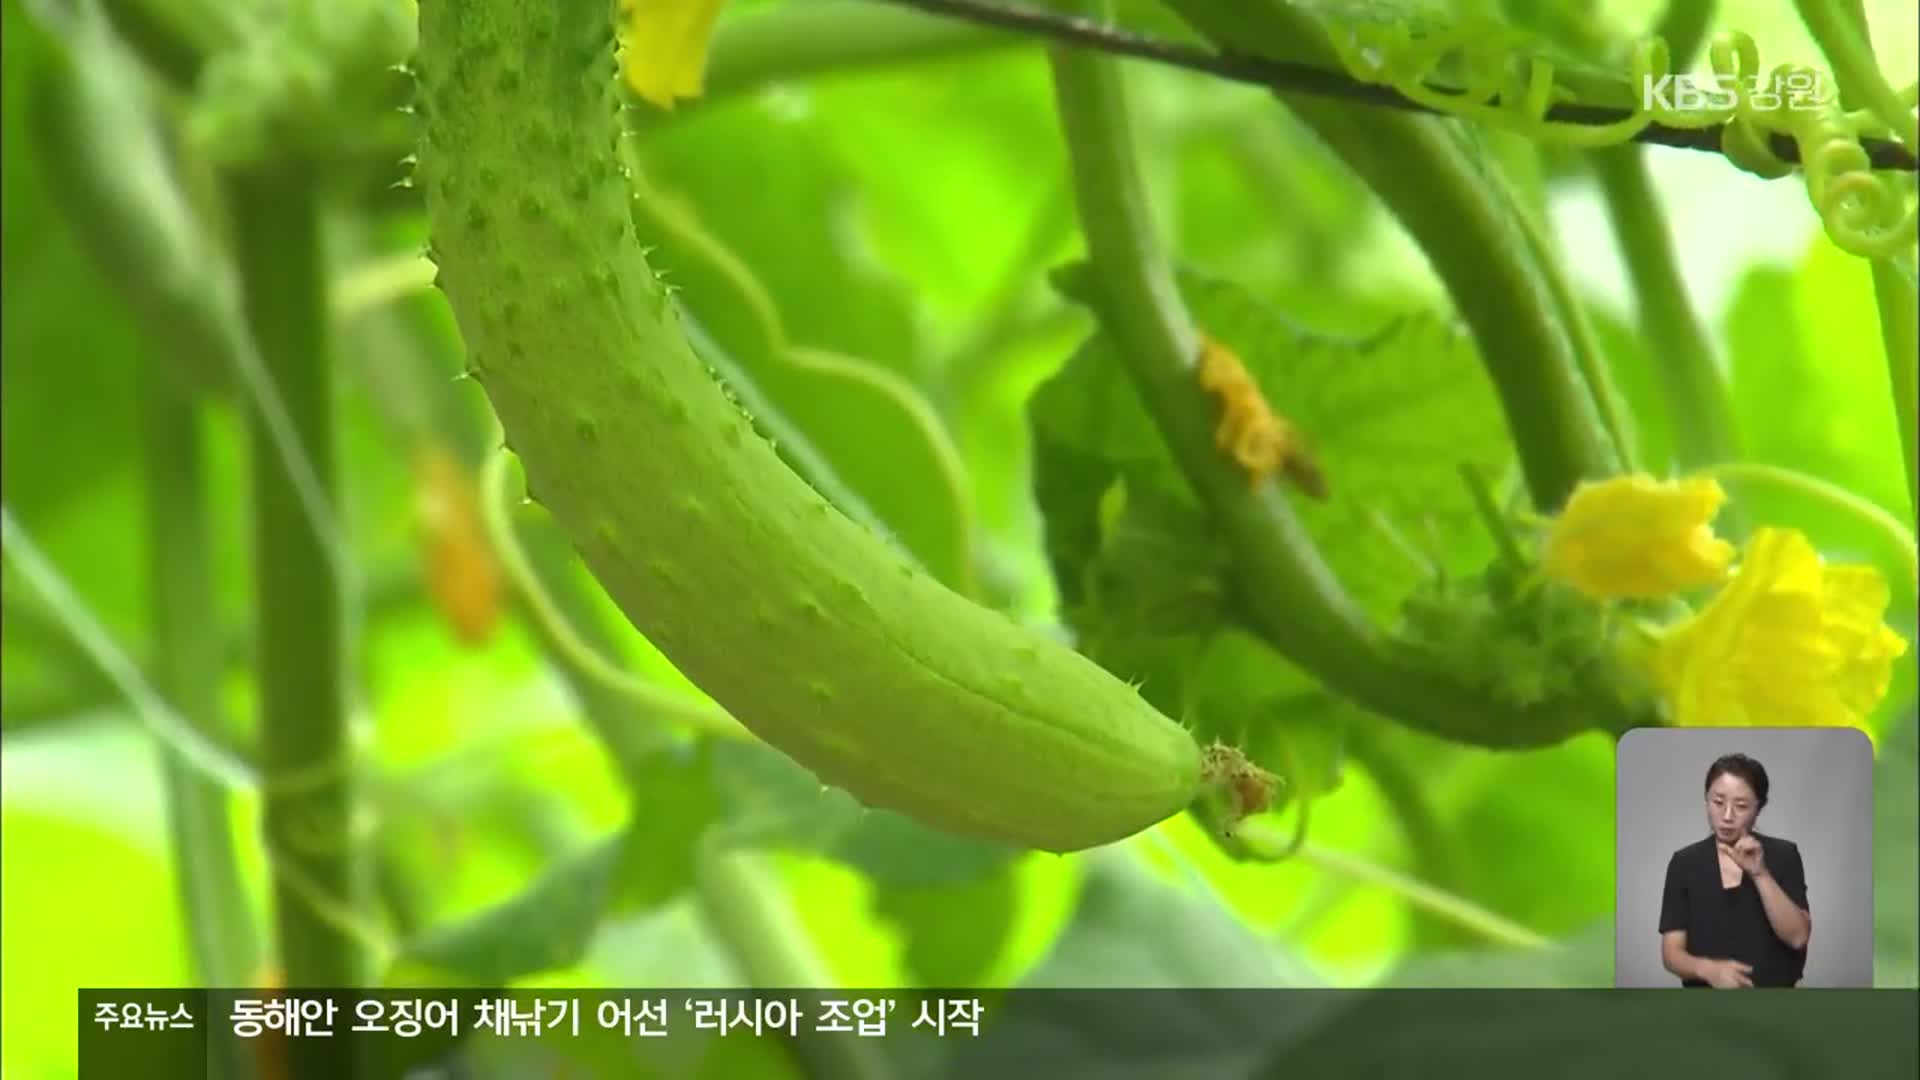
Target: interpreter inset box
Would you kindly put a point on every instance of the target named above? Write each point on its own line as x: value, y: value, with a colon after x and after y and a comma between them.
x: 1743, y: 858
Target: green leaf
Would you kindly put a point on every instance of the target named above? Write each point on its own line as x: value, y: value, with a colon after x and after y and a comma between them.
x: 1134, y: 930
x: 1810, y: 387
x: 772, y: 802
x: 1896, y: 856
x: 675, y: 801
x: 896, y: 851
x: 546, y: 927
x: 804, y: 237
x: 551, y: 923
x: 1144, y: 576
x: 1389, y: 418
x: 1502, y: 803
x: 64, y: 425
x: 953, y: 932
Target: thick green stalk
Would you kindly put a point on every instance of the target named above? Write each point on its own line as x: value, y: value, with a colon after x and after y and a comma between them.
x: 1684, y: 27
x: 1843, y: 35
x: 187, y: 667
x: 1610, y: 407
x: 740, y: 897
x: 1291, y: 596
x: 1703, y: 430
x: 1684, y: 350
x: 1893, y: 289
x: 1420, y: 171
x: 306, y: 751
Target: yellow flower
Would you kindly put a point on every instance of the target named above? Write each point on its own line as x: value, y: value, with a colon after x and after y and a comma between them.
x: 663, y: 47
x: 1790, y: 642
x: 1634, y: 536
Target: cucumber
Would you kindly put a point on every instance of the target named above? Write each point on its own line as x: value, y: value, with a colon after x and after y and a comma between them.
x: 821, y: 639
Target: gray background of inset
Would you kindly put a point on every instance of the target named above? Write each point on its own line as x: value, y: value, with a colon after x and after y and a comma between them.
x: 1821, y: 799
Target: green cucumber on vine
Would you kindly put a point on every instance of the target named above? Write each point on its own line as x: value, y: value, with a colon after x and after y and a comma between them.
x: 818, y: 637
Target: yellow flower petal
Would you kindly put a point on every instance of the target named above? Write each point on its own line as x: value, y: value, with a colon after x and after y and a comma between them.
x: 663, y: 47
x: 1789, y: 642
x: 1634, y: 536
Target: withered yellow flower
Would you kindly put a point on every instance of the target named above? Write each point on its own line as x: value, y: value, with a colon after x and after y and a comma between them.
x: 1789, y: 642
x: 663, y: 47
x: 1635, y: 536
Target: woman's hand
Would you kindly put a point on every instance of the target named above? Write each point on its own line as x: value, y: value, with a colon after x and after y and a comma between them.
x: 1747, y: 852
x: 1726, y: 974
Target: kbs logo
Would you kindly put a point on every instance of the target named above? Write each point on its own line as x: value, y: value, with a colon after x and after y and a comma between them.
x: 1792, y: 90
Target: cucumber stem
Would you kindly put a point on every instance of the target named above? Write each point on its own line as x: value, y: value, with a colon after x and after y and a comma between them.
x: 310, y: 826
x: 188, y: 665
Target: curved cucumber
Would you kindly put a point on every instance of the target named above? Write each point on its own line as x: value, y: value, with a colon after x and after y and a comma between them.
x: 817, y: 636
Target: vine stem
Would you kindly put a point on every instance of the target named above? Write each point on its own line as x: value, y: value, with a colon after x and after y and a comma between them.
x: 190, y: 746
x: 741, y: 897
x: 1897, y: 533
x: 311, y: 822
x: 1293, y: 598
x: 1684, y: 353
x: 1693, y: 381
x: 1297, y: 76
x: 1262, y: 842
x: 188, y: 665
x: 1894, y: 292
x: 1842, y: 33
x: 1453, y: 908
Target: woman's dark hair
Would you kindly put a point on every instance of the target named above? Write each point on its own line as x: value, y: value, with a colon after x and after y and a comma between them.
x: 1744, y: 767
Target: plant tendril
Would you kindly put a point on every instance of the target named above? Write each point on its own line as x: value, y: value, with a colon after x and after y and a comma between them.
x: 1865, y: 211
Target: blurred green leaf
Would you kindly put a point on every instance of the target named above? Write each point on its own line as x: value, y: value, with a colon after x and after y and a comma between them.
x: 1810, y: 390
x: 772, y: 802
x: 805, y: 237
x: 548, y: 926
x: 63, y: 424
x: 1132, y: 929
x: 1499, y: 804
x: 895, y: 850
x: 953, y: 932
x: 307, y: 80
x: 1896, y: 856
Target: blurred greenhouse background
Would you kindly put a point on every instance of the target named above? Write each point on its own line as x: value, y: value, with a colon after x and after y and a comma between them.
x: 906, y: 214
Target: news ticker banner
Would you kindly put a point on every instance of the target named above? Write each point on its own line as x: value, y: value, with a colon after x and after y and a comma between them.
x: 935, y: 1034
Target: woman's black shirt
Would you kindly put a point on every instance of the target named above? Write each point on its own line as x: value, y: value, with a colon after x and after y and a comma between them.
x: 1723, y: 923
